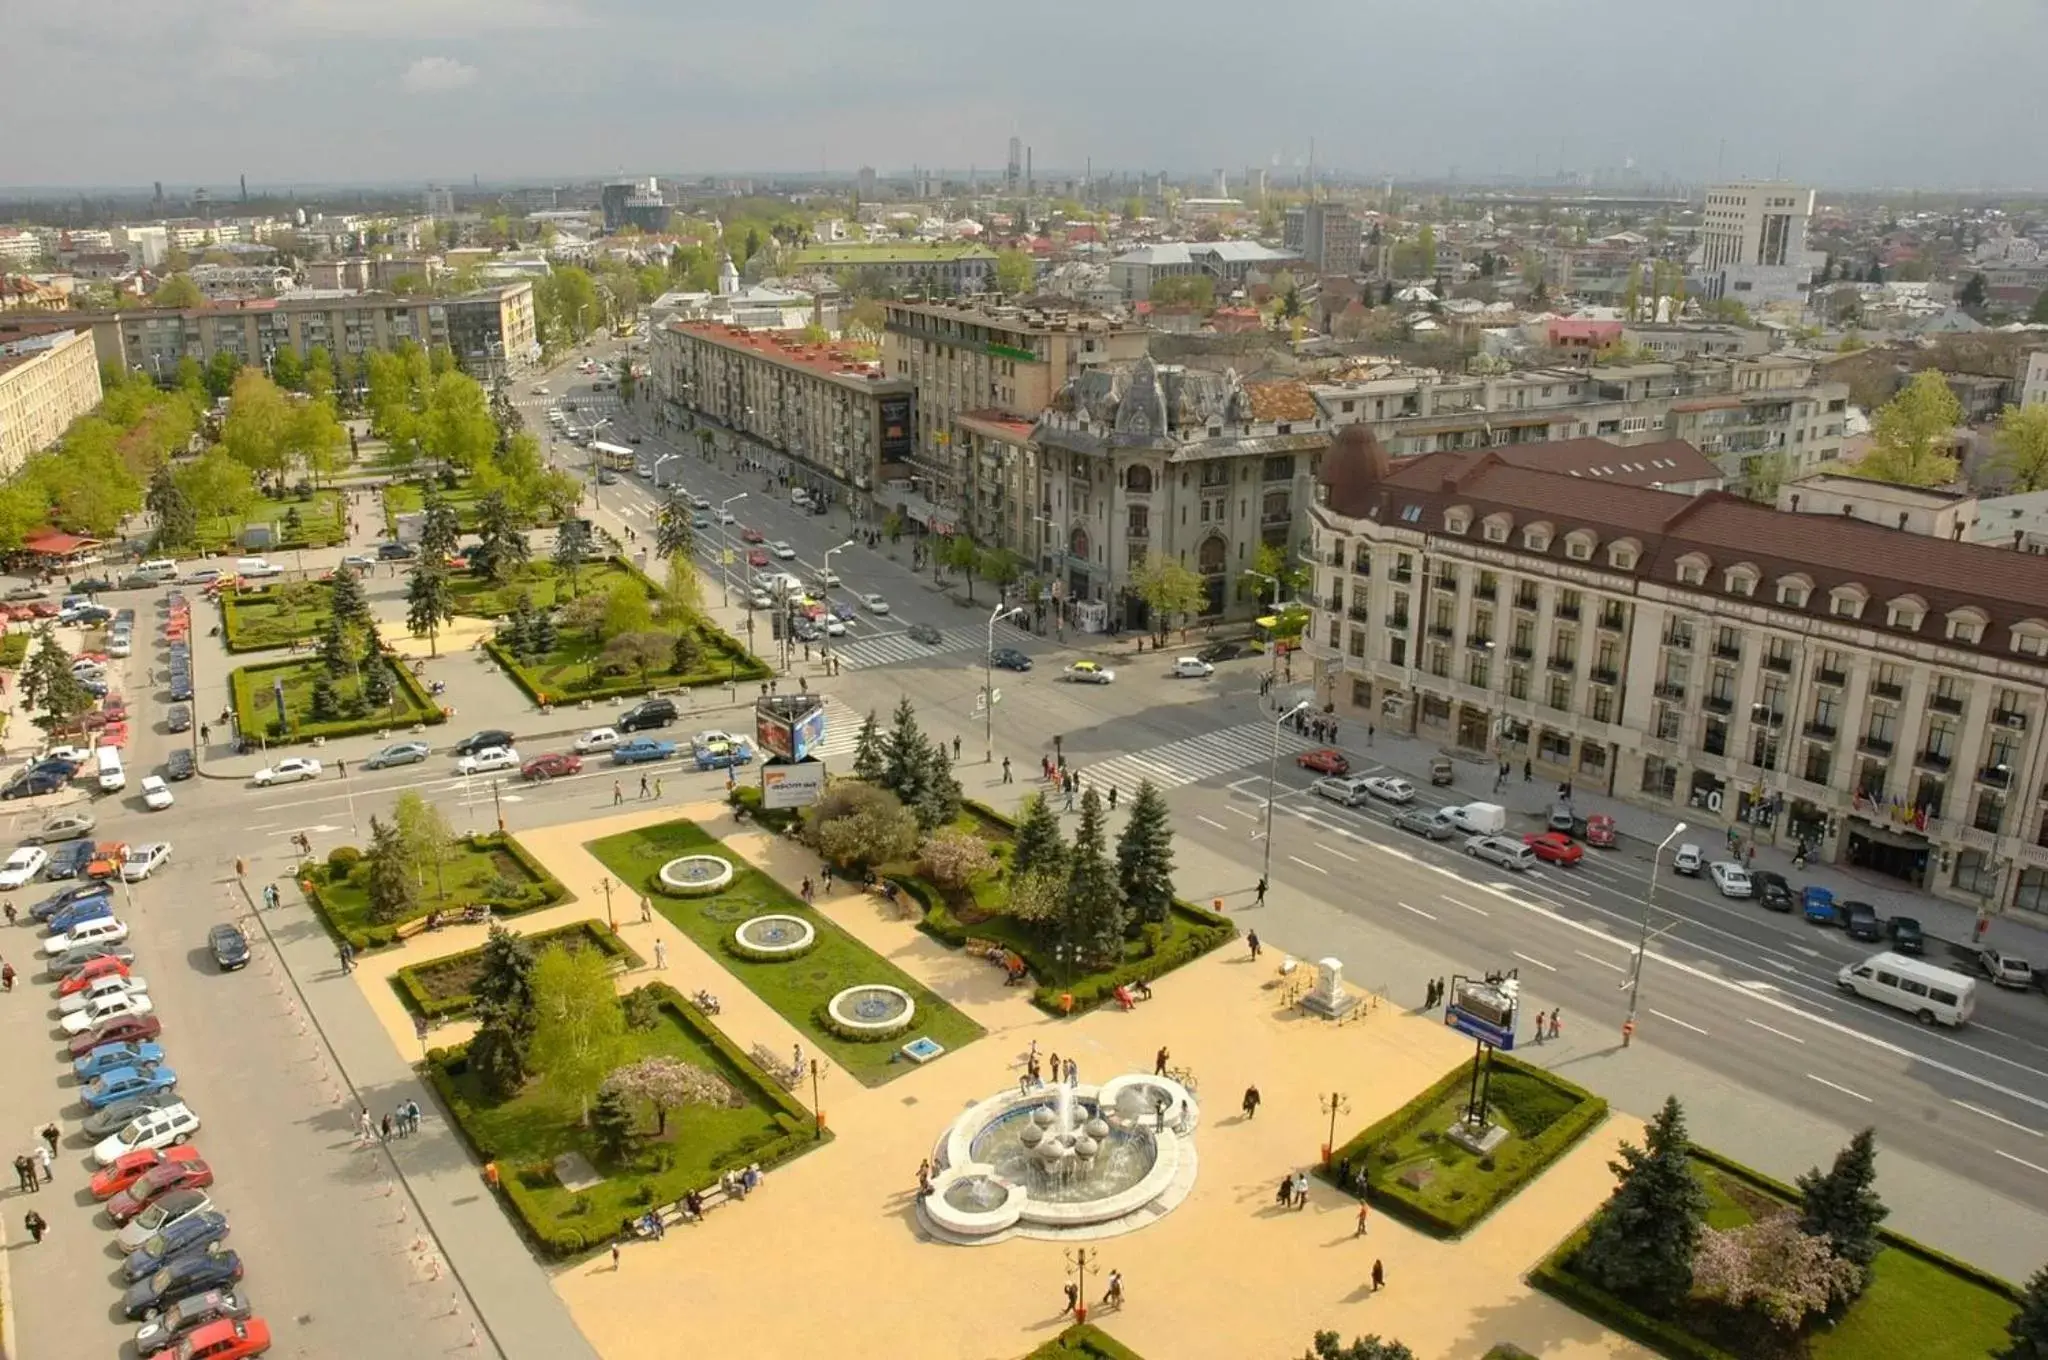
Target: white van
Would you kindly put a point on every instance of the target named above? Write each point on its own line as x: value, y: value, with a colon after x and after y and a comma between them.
x: 1933, y: 995
x: 158, y: 569
x: 256, y: 568
x: 112, y: 777
x: 1479, y: 819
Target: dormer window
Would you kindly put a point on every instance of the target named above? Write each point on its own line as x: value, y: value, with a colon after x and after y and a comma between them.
x: 1740, y: 580
x: 2030, y: 640
x: 1793, y: 591
x: 1457, y: 520
x: 1905, y: 613
x: 1692, y: 570
x: 1622, y: 554
x: 1494, y: 528
x: 1846, y: 602
x: 1536, y: 538
x: 1578, y: 546
x: 1967, y: 626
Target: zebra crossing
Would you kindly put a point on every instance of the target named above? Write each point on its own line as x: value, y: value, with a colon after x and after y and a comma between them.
x: 842, y: 731
x: 1191, y: 759
x: 892, y: 649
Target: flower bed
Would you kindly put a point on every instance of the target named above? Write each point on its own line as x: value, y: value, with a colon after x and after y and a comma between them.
x: 438, y: 989
x: 255, y: 701
x: 493, y: 870
x: 252, y: 620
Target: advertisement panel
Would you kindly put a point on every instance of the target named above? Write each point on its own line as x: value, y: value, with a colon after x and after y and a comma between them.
x: 1484, y: 1010
x: 789, y: 726
x: 792, y: 786
x: 896, y: 433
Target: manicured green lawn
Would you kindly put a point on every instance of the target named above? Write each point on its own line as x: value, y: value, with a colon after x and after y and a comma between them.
x: 540, y: 583
x: 320, y: 522
x: 525, y: 1134
x: 440, y: 988
x: 797, y: 988
x: 253, y: 620
x: 406, y: 498
x: 494, y: 869
x: 571, y: 670
x: 256, y: 704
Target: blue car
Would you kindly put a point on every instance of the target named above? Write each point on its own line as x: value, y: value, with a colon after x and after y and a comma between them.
x: 642, y: 749
x: 68, y: 860
x: 195, y: 1233
x: 66, y: 919
x: 720, y: 755
x: 34, y: 783
x: 123, y: 1082
x: 212, y: 1268
x: 108, y: 1058
x: 56, y: 902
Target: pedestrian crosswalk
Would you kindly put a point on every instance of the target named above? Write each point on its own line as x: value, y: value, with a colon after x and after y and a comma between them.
x: 891, y: 649
x: 1189, y: 760
x: 842, y: 734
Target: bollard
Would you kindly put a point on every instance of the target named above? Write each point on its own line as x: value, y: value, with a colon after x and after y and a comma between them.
x: 1628, y: 1032
x: 386, y: 1192
x: 454, y: 1306
x: 474, y: 1342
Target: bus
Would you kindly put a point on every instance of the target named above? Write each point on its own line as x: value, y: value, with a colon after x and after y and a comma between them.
x: 1280, y: 632
x: 615, y: 456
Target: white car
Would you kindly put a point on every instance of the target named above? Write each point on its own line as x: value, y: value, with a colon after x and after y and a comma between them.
x: 540, y: 389
x: 711, y: 736
x: 167, y: 1127
x: 156, y: 795
x: 106, y: 985
x: 1191, y: 668
x: 782, y: 550
x: 290, y: 770
x: 704, y: 503
x: 121, y: 645
x: 727, y: 517
x: 1390, y: 789
x: 1688, y: 860
x: 874, y: 604
x: 490, y: 758
x: 828, y: 579
x: 22, y: 866
x: 144, y: 860
x: 597, y: 739
x: 1090, y: 673
x: 760, y: 599
x: 101, y: 930
x: 1731, y: 878
x: 110, y: 1007
x: 77, y: 755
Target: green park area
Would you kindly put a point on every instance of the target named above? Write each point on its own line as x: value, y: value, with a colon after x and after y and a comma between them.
x: 1702, y: 1258
x: 409, y: 498
x: 313, y: 519
x: 543, y: 585
x: 261, y: 617
x: 799, y: 986
x: 429, y: 869
x: 445, y: 988
x: 372, y: 694
x: 1408, y: 1165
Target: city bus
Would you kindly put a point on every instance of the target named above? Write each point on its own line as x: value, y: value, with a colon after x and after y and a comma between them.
x: 617, y: 457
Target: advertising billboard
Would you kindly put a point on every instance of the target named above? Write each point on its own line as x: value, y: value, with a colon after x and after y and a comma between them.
x: 1484, y: 1010
x: 792, y: 786
x: 896, y: 432
x: 789, y: 726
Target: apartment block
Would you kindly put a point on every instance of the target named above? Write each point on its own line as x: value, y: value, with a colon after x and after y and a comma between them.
x: 939, y: 269
x: 46, y: 382
x: 1326, y: 235
x: 1874, y: 693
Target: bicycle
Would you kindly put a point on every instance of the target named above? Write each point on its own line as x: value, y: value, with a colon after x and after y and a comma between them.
x: 1186, y: 1077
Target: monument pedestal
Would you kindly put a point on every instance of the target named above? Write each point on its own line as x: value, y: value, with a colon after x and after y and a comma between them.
x: 1477, y: 1139
x: 1328, y: 997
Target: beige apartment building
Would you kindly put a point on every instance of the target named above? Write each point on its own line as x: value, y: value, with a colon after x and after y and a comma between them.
x: 1879, y: 694
x: 46, y: 382
x: 841, y: 424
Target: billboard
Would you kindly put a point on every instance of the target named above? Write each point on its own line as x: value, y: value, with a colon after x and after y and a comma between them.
x: 792, y: 786
x: 789, y: 726
x: 1484, y: 1010
x: 896, y: 433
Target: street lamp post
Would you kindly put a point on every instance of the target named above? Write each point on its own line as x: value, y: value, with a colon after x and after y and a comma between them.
x: 606, y: 883
x: 725, y: 550
x: 988, y: 685
x: 826, y: 581
x: 1273, y: 779
x: 817, y: 1110
x: 1635, y: 977
x: 1333, y: 1105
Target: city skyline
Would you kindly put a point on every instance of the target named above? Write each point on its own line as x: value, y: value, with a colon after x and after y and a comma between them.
x: 301, y: 92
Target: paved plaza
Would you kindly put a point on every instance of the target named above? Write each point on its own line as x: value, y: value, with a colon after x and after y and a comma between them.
x: 829, y: 1254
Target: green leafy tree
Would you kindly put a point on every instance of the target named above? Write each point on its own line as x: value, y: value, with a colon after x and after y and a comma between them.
x: 1144, y: 857
x: 1015, y: 272
x: 627, y: 610
x: 611, y: 1123
x: 501, y: 548
x: 857, y: 825
x: 256, y: 430
x: 682, y: 593
x: 1038, y: 847
x: 215, y: 486
x: 686, y: 652
x: 320, y: 374
x: 429, y: 602
x: 867, y: 751
x: 1642, y: 1243
x: 314, y: 437
x: 424, y: 842
x: 1184, y: 290
x: 288, y: 370
x: 2037, y: 315
x: 641, y: 652
x: 1911, y: 435
x: 572, y: 550
x: 579, y: 1028
x: 1842, y: 1204
x: 1169, y: 590
x: 456, y: 427
x: 963, y: 555
x: 221, y: 372
x: 177, y: 526
x: 2028, y: 1327
x: 177, y: 291
x: 673, y: 534
x: 2022, y: 442
x: 1001, y: 568
x: 388, y: 884
x: 1329, y: 1346
x: 1095, y: 899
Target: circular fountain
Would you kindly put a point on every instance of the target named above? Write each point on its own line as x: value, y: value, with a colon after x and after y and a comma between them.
x: 872, y: 1010
x: 696, y: 875
x: 774, y: 937
x: 1060, y: 1160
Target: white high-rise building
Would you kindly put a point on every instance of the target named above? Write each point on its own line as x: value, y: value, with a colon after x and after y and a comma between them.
x: 440, y: 201
x: 1753, y: 242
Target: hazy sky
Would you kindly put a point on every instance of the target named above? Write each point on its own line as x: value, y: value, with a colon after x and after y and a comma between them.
x: 1837, y: 92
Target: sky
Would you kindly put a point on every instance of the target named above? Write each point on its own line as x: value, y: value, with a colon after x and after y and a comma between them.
x: 1837, y: 93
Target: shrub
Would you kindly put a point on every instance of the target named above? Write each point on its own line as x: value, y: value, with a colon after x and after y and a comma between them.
x: 342, y: 859
x: 857, y: 825
x: 953, y: 858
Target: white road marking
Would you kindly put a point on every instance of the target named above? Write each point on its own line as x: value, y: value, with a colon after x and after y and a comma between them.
x: 1604, y: 963
x: 1767, y: 1029
x: 1467, y: 906
x: 1248, y: 816
x: 1348, y: 859
x: 1997, y: 1118
x: 1538, y: 962
x: 1417, y: 910
x: 1211, y: 821
x: 1682, y: 1024
x: 1843, y: 1089
x: 1307, y: 864
x: 1557, y: 881
x: 2022, y: 1161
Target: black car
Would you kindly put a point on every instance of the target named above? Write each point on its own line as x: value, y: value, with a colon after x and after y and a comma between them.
x: 92, y: 585
x: 481, y: 741
x: 68, y: 860
x: 209, y: 1269
x: 395, y: 552
x: 1860, y: 920
x: 56, y: 902
x: 806, y: 631
x: 179, y: 765
x: 651, y: 713
x: 1905, y: 935
x: 1009, y: 659
x: 34, y: 783
x: 925, y: 633
x: 229, y: 945
x: 1221, y: 651
x: 181, y: 688
x: 1771, y: 890
x: 178, y: 719
x: 93, y: 614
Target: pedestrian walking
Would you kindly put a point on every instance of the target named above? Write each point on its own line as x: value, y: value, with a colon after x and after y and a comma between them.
x: 1070, y: 795
x: 1006, y: 770
x: 25, y: 1174
x: 1443, y: 988
x: 50, y: 1135
x: 1251, y: 938
x: 36, y: 1224
x: 657, y: 790
x: 807, y: 889
x: 1556, y: 1024
x: 1073, y: 1292
x: 1113, y: 1296
x: 1159, y: 1061
x: 1429, y: 995
x: 796, y: 1059
x: 1539, y: 1027
x: 1251, y: 1102
x: 615, y: 1254
x: 618, y: 793
x: 1112, y: 808
x: 956, y: 749
x: 366, y: 1132
x: 646, y: 910
x: 1379, y: 1276
x: 47, y: 1159
x: 6, y: 976
x: 1528, y: 772
x: 1301, y: 1189
x: 660, y: 955
x: 1364, y: 1214
x: 1261, y: 891
x: 643, y: 788
x: 1368, y: 734
x: 1073, y: 1073
x: 348, y: 957
x: 388, y: 1127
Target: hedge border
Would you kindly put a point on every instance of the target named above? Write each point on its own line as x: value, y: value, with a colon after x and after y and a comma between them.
x: 231, y: 603
x: 555, y: 892
x: 242, y: 696
x: 1087, y: 1340
x: 413, y: 993
x: 800, y: 1130
x: 14, y: 649
x: 1587, y: 1115
x: 1669, y: 1338
x: 631, y: 569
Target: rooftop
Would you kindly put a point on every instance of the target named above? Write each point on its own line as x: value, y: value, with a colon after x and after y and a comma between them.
x: 882, y: 252
x: 832, y: 361
x: 1662, y: 464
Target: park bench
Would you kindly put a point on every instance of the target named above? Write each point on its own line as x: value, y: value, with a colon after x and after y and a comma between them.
x: 405, y: 930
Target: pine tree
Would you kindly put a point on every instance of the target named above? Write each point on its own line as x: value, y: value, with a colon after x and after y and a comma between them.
x: 428, y: 602
x: 1095, y: 900
x: 376, y: 672
x: 1039, y: 847
x: 389, y: 884
x: 1842, y: 1206
x: 1642, y: 1244
x: 323, y: 702
x: 938, y: 796
x: 1144, y: 857
x: 502, y: 547
x: 440, y: 529
x: 572, y: 550
x: 334, y: 645
x: 867, y: 751
x: 545, y: 634
x: 345, y: 598
x: 504, y: 982
x: 904, y: 760
x: 611, y: 1123
x: 2029, y: 1327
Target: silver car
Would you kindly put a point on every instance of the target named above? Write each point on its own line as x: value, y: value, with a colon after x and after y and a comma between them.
x: 1505, y: 851
x: 404, y: 753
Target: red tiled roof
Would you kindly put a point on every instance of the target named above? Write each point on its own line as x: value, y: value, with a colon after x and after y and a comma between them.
x: 53, y: 543
x: 831, y: 360
x: 1281, y: 401
x: 1000, y: 423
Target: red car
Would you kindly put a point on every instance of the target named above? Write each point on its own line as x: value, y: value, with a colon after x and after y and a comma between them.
x: 552, y: 765
x: 103, y: 966
x: 188, y: 1173
x: 757, y: 558
x: 226, y: 1339
x: 753, y: 536
x: 1554, y: 847
x: 1325, y: 761
x: 130, y: 1167
x: 122, y: 1029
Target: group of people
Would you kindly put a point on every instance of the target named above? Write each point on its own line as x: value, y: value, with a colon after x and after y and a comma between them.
x: 34, y: 1170
x: 1320, y: 727
x: 401, y: 1122
x: 1293, y: 1193
x: 1034, y: 1075
x: 1549, y: 1026
x: 1112, y: 1293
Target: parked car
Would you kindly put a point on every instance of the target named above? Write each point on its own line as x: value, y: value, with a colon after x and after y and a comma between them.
x: 649, y: 713
x: 144, y: 860
x: 399, y: 753
x: 56, y: 902
x: 194, y: 1233
x: 1731, y: 878
x: 179, y: 764
x: 113, y: 1057
x: 641, y: 750
x: 1389, y: 789
x: 597, y: 739
x: 1342, y: 789
x: 68, y: 860
x: 229, y: 947
x: 209, y: 1269
x: 1504, y: 851
x: 156, y: 794
x: 105, y: 1008
x: 1772, y: 891
x: 187, y: 1316
x: 551, y: 765
x: 488, y: 759
x: 290, y: 770
x: 165, y: 1212
x: 169, y: 1127
x: 1222, y: 651
x: 33, y: 783
x: 62, y: 826
x: 481, y: 741
x: 121, y: 1029
x: 179, y: 1171
x: 1861, y: 921
x: 179, y: 719
x: 105, y: 930
x: 106, y: 965
x: 1089, y: 673
x: 110, y: 983
x: 1906, y: 935
x: 1688, y: 861
x: 129, y: 1169
x: 1554, y: 847
x: 69, y: 917
x: 1328, y: 760
x: 123, y: 1082
x: 1430, y: 823
x: 227, y: 1339
x: 2005, y: 969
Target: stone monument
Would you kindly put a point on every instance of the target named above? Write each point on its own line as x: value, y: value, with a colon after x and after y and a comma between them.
x: 1328, y: 997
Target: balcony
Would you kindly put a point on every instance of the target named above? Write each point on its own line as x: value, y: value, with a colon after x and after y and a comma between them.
x: 1675, y: 637
x: 1781, y: 664
x: 1485, y: 590
x: 1997, y: 776
x: 1945, y: 703
x: 1765, y: 717
x: 1401, y: 575
x: 1715, y: 744
x: 1885, y: 689
x: 1334, y: 604
x: 1449, y: 583
x: 1606, y: 675
x: 1728, y: 651
x: 1932, y: 760
x: 1719, y: 703
x: 2010, y: 717
x: 1442, y: 630
x: 1521, y: 652
x: 1820, y: 731
x: 1564, y: 665
x: 1877, y: 746
x: 1568, y: 611
x: 1396, y: 621
x: 1669, y: 690
x: 1360, y: 613
x: 1478, y: 642
x: 1526, y: 599
x: 1839, y: 679
x: 1612, y: 620
x: 1361, y: 566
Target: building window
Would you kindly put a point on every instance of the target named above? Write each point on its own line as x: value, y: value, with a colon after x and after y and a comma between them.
x: 1974, y: 873
x: 1496, y: 530
x: 1578, y: 547
x: 1536, y: 538
x: 1963, y: 628
x: 1140, y: 520
x: 1792, y: 594
x: 1740, y: 581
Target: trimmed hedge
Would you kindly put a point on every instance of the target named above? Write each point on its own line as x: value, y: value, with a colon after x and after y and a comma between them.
x: 799, y: 1131
x: 413, y: 991
x: 1084, y: 1339
x: 255, y: 710
x: 13, y: 650
x: 232, y: 625
x: 1389, y: 1194
x: 313, y: 877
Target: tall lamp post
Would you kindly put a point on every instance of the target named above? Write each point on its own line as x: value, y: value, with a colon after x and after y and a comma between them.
x: 1635, y: 977
x: 988, y: 685
x: 1272, y: 779
x: 826, y: 580
x: 725, y: 550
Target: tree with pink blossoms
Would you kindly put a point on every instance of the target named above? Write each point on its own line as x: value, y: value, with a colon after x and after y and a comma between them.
x: 1774, y: 1268
x: 667, y: 1083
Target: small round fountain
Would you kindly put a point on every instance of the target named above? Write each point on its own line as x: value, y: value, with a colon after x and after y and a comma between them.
x: 696, y: 875
x: 872, y: 1010
x: 774, y: 937
x: 1059, y: 1160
